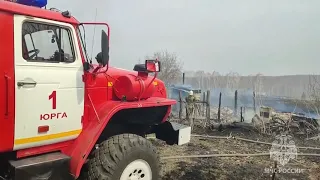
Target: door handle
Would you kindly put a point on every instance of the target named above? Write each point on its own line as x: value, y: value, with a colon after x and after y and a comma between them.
x: 26, y: 82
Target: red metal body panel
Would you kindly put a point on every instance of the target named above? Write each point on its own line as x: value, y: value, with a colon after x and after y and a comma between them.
x: 100, y: 101
x: 43, y: 149
x: 133, y: 87
x: 80, y: 150
x: 6, y: 82
x: 100, y: 96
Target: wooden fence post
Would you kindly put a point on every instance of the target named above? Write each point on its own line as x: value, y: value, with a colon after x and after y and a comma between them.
x: 203, y: 103
x: 241, y: 114
x: 183, y: 78
x: 208, y: 107
x: 219, y: 108
x: 235, y: 111
x: 180, y: 106
x: 254, y: 102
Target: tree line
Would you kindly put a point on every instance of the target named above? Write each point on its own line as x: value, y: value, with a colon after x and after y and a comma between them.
x: 295, y: 86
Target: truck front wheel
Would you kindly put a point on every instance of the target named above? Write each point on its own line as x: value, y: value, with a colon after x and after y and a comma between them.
x: 124, y: 157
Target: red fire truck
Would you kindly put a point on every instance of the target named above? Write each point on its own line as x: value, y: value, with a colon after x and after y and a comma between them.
x: 64, y: 117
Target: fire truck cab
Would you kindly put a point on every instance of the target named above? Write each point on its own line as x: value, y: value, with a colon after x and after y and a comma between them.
x: 64, y: 117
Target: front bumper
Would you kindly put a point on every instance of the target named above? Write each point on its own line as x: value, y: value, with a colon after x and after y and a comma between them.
x: 173, y: 133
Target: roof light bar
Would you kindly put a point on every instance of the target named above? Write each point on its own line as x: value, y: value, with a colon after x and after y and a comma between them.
x: 36, y: 3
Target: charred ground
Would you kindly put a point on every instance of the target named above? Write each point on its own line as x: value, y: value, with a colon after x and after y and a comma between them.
x: 230, y: 168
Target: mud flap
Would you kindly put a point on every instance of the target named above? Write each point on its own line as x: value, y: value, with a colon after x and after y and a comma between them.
x: 173, y: 133
x: 53, y: 166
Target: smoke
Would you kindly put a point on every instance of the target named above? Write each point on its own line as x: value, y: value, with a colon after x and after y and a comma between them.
x: 245, y: 99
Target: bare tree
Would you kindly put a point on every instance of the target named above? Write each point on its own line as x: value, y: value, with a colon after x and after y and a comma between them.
x: 314, y: 97
x: 216, y: 79
x: 314, y: 94
x: 257, y: 87
x: 199, y: 75
x: 303, y: 96
x: 171, y: 67
x: 233, y: 80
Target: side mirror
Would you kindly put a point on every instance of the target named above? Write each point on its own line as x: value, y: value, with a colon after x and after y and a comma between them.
x: 86, y: 66
x: 99, y: 58
x: 152, y: 65
x: 104, y: 49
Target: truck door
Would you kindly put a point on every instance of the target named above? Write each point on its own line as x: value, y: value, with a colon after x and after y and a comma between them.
x: 49, y: 91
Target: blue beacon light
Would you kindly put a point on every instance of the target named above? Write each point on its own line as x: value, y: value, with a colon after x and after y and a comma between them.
x: 36, y: 3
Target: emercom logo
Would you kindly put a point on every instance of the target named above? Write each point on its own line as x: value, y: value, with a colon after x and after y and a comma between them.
x: 283, y: 149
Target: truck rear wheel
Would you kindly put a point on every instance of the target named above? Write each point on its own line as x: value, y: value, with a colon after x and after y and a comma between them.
x: 124, y: 157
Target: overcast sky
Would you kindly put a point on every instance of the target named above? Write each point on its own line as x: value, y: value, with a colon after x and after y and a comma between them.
x: 273, y: 37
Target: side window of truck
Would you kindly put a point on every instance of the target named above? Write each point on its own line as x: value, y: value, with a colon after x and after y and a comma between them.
x: 46, y: 43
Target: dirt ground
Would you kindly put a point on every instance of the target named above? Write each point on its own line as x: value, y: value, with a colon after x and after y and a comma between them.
x: 234, y: 168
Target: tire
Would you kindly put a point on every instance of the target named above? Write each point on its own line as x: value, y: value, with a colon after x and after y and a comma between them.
x: 123, y: 156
